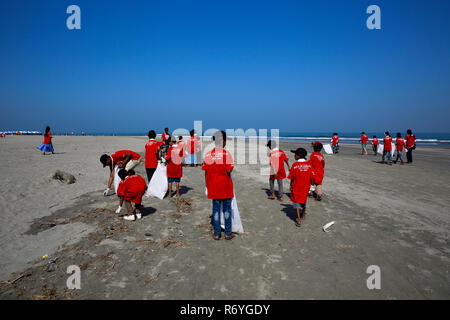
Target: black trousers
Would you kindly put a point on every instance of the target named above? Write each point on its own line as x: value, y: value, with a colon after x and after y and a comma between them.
x: 409, y: 155
x: 150, y: 172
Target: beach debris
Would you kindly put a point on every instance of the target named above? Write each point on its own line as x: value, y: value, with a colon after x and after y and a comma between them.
x: 327, y: 226
x: 184, y: 205
x: 173, y: 244
x: 64, y: 177
x: 51, y: 265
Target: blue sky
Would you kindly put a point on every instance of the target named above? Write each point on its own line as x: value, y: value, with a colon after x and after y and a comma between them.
x: 292, y: 65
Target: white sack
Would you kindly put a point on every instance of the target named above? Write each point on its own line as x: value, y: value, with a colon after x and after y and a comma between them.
x: 158, y: 185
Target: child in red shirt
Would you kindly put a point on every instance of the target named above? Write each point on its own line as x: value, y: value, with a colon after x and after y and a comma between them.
x: 363, y: 140
x: 335, y: 143
x: 131, y: 189
x: 301, y: 176
x: 399, y: 143
x: 387, y: 148
x: 277, y: 160
x: 218, y: 165
x: 174, y: 166
x: 152, y: 148
x: 375, y: 144
x: 318, y: 163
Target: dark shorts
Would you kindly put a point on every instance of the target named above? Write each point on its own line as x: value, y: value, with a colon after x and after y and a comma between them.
x: 171, y: 180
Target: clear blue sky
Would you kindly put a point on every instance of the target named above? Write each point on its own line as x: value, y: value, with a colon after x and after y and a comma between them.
x: 292, y: 65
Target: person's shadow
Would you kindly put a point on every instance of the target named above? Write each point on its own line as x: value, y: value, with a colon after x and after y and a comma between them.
x: 184, y: 189
x: 290, y: 211
x: 146, y: 211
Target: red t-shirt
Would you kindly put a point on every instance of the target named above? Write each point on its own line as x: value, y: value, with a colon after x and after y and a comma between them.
x: 387, y: 143
x: 218, y: 181
x: 120, y: 190
x: 318, y: 163
x: 174, y: 165
x: 364, y: 139
x: 182, y: 146
x: 151, y: 148
x: 410, y: 140
x: 192, y: 145
x: 164, y: 137
x: 120, y: 155
x: 277, y: 158
x: 375, y: 141
x: 399, y: 142
x: 335, y: 140
x: 134, y: 188
x: 301, y: 175
x: 48, y: 138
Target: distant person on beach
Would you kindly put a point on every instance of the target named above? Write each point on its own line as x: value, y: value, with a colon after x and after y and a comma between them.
x: 192, y: 148
x: 165, y: 145
x: 410, y: 139
x: 335, y: 143
x: 218, y: 165
x: 131, y: 190
x: 277, y: 159
x: 387, y: 149
x: 126, y: 159
x: 301, y: 176
x: 47, y: 145
x: 399, y: 143
x: 182, y: 145
x: 174, y: 166
x: 375, y: 144
x: 364, y: 138
x: 318, y: 163
x: 152, y: 148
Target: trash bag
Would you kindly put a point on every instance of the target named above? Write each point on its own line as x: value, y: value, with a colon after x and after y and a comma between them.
x: 116, y: 178
x: 158, y: 185
x: 236, y: 224
x: 327, y: 148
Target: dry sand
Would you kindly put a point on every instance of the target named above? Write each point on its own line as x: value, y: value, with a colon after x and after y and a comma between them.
x: 396, y: 217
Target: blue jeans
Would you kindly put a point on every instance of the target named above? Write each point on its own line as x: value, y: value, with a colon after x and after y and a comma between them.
x: 226, y: 206
x: 388, y: 154
x: 399, y: 156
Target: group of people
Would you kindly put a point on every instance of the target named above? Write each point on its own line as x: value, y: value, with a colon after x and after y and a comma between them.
x: 407, y: 144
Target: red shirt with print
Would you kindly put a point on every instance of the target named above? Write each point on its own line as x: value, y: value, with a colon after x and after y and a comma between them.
x: 151, y: 149
x: 174, y: 166
x: 364, y: 139
x: 134, y: 188
x: 387, y: 143
x: 277, y: 159
x: 410, y: 140
x: 318, y: 163
x: 301, y: 176
x: 399, y: 142
x: 218, y: 181
x: 375, y: 141
x: 335, y: 140
x: 120, y: 155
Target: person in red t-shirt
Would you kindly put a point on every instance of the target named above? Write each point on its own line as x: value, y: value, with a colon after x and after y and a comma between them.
x: 301, y: 176
x: 174, y: 166
x: 318, y: 163
x: 165, y: 144
x: 399, y: 143
x: 277, y: 159
x: 47, y: 145
x: 131, y: 189
x: 218, y: 165
x: 375, y: 144
x: 192, y: 149
x: 152, y: 148
x: 410, y: 140
x: 335, y: 143
x: 363, y: 140
x: 126, y: 159
x: 182, y: 145
x: 387, y: 149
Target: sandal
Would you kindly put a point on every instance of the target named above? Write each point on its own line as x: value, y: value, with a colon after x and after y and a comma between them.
x: 280, y: 199
x: 271, y: 197
x: 298, y: 224
x: 215, y: 237
x: 231, y: 236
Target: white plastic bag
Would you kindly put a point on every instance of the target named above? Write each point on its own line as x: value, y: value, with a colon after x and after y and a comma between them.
x: 380, y: 148
x: 236, y: 224
x: 116, y: 178
x: 158, y: 185
x: 327, y: 148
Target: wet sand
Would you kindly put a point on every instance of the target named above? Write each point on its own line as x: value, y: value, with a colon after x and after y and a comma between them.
x: 395, y: 217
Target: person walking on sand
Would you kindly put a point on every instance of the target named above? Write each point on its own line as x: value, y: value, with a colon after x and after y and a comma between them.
x: 335, y: 143
x: 399, y: 143
x: 387, y: 149
x: 152, y: 148
x: 301, y: 176
x: 126, y: 159
x: 218, y: 165
x: 277, y: 159
x: 318, y: 163
x: 174, y: 167
x: 192, y: 148
x: 410, y: 139
x: 364, y: 138
x: 375, y: 144
x: 165, y: 145
x: 47, y: 145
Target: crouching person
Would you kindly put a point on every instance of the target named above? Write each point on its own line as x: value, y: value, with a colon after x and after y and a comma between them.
x: 218, y: 165
x: 131, y: 189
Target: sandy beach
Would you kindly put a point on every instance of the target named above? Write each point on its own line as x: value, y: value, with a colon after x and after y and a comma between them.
x: 395, y: 217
